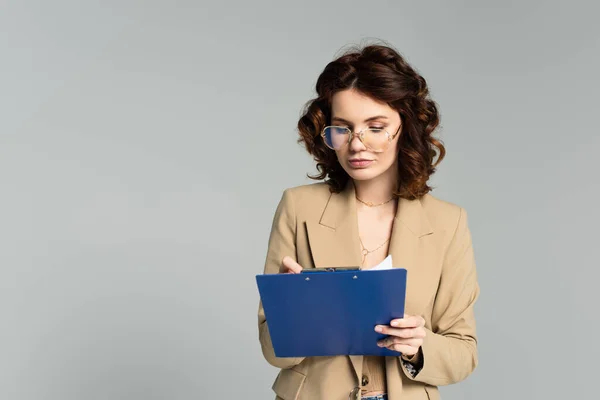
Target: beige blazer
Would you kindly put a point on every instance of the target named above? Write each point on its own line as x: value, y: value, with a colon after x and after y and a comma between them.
x: 431, y: 239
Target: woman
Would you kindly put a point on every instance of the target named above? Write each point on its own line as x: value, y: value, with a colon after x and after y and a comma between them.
x: 370, y: 130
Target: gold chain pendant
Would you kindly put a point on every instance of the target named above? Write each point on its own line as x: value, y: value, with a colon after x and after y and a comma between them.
x: 370, y: 204
x: 366, y: 252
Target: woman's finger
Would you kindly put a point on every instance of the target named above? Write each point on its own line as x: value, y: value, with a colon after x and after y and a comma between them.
x: 409, y: 321
x: 290, y: 265
x: 401, y: 332
x: 391, y: 341
x: 404, y: 349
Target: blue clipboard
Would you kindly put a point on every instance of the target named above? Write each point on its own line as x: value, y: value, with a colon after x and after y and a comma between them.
x: 331, y: 313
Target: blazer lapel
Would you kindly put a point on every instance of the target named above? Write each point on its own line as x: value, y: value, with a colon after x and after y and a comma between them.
x: 411, y: 252
x: 334, y: 238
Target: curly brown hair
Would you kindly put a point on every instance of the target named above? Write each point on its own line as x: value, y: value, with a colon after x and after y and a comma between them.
x: 381, y: 73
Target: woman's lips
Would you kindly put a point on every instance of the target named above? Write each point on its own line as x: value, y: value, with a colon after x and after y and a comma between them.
x: 360, y: 163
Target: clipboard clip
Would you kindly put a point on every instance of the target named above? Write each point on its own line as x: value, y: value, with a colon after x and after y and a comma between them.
x: 329, y: 269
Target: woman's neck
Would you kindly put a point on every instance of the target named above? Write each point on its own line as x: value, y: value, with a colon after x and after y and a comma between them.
x: 375, y: 191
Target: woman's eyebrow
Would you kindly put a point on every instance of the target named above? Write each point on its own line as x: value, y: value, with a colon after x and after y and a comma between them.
x: 366, y: 120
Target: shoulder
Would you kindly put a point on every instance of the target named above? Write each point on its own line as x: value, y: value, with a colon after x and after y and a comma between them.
x: 307, y: 195
x: 443, y: 214
x: 304, y: 201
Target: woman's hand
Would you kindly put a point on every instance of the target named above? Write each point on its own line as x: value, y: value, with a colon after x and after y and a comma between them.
x: 405, y: 335
x: 289, y: 266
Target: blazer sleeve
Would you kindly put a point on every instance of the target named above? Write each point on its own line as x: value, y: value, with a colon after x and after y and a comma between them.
x: 281, y: 243
x: 449, y: 350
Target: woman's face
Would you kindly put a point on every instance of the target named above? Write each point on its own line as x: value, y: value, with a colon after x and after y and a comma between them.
x: 356, y: 111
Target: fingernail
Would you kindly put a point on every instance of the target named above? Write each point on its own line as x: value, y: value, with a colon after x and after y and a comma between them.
x: 378, y: 329
x: 379, y: 344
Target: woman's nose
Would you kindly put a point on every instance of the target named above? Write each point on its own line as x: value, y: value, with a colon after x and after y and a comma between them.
x: 356, y: 144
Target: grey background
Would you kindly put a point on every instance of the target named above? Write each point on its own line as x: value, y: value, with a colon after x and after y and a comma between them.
x: 145, y: 145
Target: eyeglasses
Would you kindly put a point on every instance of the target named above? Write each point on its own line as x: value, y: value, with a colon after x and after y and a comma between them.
x: 374, y: 139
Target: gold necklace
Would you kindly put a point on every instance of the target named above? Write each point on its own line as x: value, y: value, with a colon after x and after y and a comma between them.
x: 369, y: 204
x: 366, y: 252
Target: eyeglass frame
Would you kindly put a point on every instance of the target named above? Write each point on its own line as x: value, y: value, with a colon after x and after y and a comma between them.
x: 360, y: 135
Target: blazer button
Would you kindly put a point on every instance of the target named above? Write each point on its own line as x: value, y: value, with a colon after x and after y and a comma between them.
x: 365, y: 380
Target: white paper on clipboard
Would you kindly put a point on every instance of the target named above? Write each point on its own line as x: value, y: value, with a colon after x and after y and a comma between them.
x: 385, y: 264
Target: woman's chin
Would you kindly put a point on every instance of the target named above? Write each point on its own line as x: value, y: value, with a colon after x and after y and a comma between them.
x: 364, y: 174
